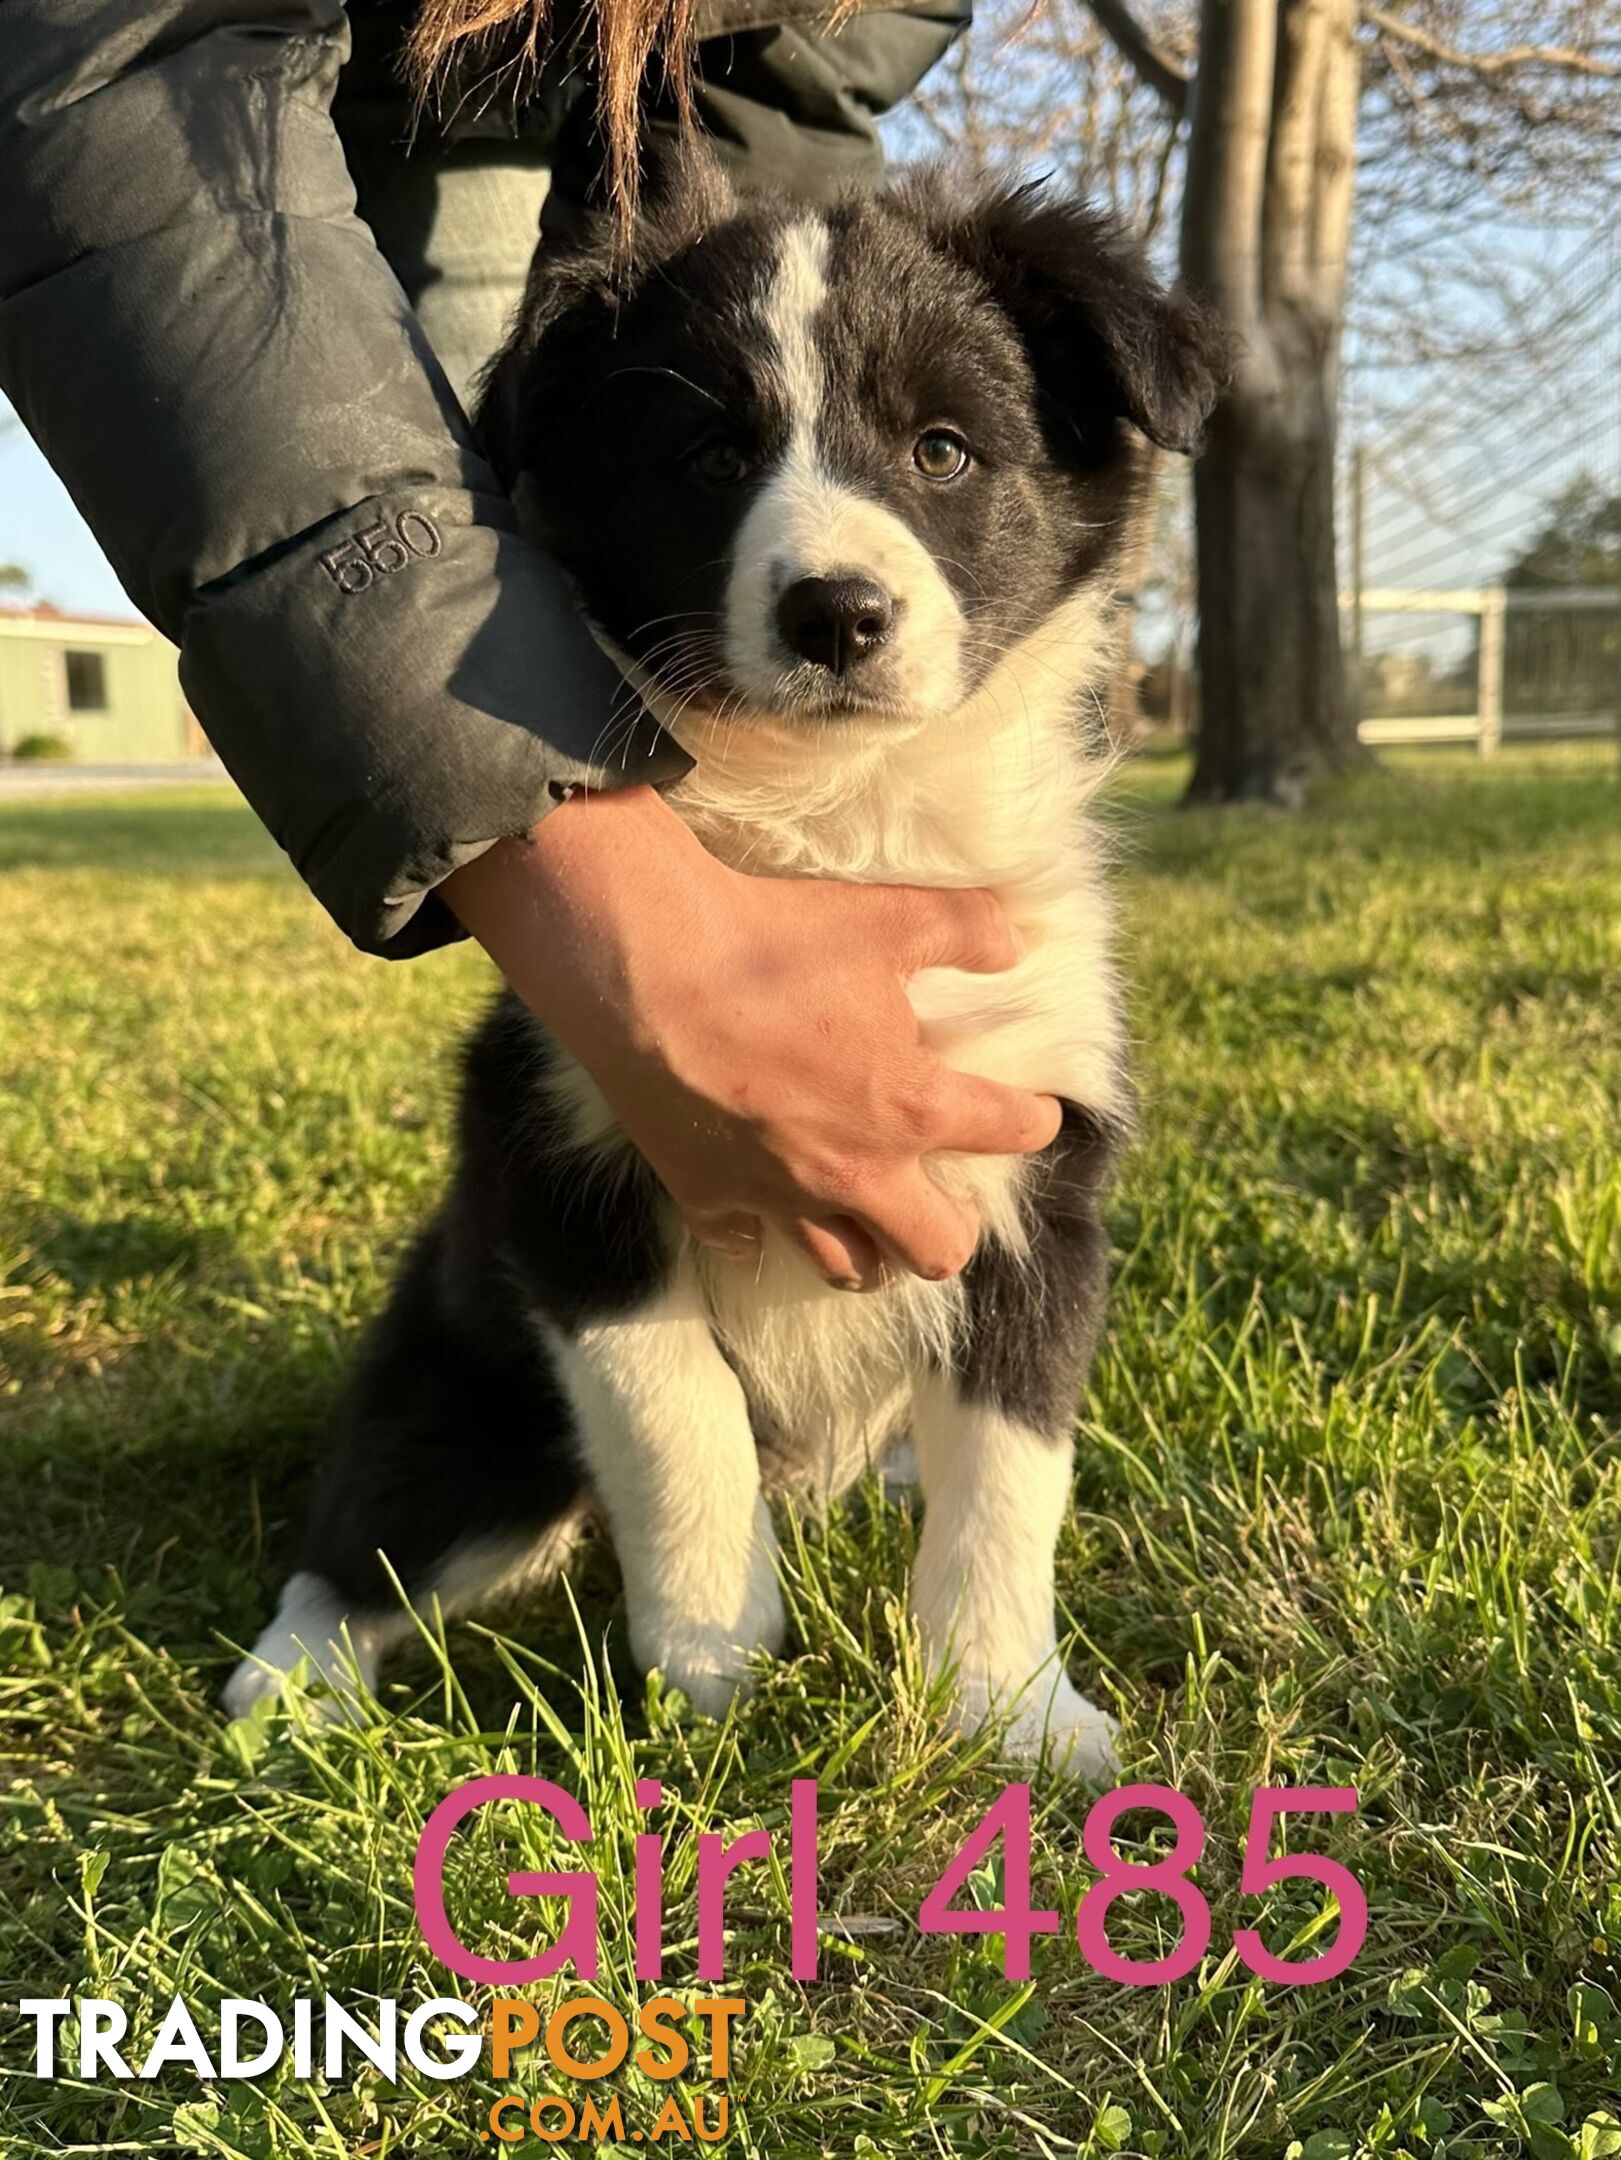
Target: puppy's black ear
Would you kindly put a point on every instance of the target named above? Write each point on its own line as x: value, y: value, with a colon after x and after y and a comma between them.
x: 1102, y: 334
x: 575, y: 289
x: 569, y: 288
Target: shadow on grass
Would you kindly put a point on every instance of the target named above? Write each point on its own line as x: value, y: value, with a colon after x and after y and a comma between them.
x: 99, y: 1254
x: 168, y: 1484
x: 1447, y: 816
x: 1437, y: 1228
x: 1510, y: 990
x: 168, y: 1481
x: 212, y: 836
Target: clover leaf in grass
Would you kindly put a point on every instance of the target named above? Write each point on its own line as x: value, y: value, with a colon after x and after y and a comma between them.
x: 1594, y: 2029
x: 1323, y: 2145
x: 193, y: 2126
x: 812, y: 2051
x: 1536, y: 2115
x: 1111, y: 2127
x: 1542, y: 2103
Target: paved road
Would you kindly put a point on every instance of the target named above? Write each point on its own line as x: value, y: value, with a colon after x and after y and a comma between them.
x: 32, y: 783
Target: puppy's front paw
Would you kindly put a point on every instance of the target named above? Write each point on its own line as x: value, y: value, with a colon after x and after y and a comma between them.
x: 304, y: 1645
x: 1080, y: 1738
x: 710, y: 1665
x: 707, y: 1666
x: 708, y: 1659
x: 1048, y: 1715
x: 712, y: 1686
x: 256, y: 1680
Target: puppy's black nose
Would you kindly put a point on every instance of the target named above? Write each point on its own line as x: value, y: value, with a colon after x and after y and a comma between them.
x: 835, y: 621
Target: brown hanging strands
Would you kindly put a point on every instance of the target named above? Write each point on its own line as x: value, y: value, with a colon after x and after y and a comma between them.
x: 510, y: 39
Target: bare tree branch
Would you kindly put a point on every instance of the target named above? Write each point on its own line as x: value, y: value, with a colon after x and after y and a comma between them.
x: 1565, y: 59
x: 1289, y: 260
x: 1225, y: 189
x: 1161, y: 70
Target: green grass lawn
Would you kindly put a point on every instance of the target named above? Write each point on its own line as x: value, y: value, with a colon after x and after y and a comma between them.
x: 1347, y: 1508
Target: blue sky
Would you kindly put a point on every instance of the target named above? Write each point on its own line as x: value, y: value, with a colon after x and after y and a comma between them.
x: 40, y: 528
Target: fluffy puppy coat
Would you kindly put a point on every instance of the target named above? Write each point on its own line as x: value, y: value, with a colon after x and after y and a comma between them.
x: 843, y: 490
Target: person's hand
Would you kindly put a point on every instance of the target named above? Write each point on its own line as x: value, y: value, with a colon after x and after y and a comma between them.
x: 752, y: 1034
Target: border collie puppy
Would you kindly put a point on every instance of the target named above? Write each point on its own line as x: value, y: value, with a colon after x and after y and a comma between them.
x: 843, y: 490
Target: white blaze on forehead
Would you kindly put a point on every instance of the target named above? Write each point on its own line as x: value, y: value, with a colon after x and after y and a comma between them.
x: 797, y: 291
x: 805, y: 523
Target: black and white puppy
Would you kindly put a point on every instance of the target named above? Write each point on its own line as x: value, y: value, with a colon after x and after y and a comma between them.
x: 844, y: 491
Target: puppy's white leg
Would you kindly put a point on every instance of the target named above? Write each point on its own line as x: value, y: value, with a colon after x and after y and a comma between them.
x: 315, y: 1630
x: 664, y: 1429
x: 995, y: 1492
x: 311, y: 1630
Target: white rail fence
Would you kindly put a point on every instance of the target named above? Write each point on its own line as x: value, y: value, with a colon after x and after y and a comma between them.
x: 1546, y: 666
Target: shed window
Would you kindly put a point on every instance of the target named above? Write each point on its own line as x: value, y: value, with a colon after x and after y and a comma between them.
x: 87, y: 681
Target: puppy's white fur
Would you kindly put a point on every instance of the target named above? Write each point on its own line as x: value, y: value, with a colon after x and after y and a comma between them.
x: 992, y: 1486
x: 665, y: 1432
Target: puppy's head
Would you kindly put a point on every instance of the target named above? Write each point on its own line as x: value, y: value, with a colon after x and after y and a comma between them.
x: 809, y: 465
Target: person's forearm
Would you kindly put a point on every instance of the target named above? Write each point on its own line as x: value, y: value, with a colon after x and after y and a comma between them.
x: 210, y: 350
x: 582, y: 880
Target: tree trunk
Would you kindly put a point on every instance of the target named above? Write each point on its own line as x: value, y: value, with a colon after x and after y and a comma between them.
x: 1273, y: 709
x: 1123, y: 710
x: 1265, y: 233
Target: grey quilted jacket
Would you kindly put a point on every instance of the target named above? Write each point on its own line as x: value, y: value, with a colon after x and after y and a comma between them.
x: 209, y: 347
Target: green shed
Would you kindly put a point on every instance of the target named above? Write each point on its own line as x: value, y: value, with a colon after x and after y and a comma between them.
x: 110, y: 689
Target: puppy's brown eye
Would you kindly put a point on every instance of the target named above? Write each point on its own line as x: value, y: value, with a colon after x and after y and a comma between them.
x: 940, y: 455
x: 719, y: 463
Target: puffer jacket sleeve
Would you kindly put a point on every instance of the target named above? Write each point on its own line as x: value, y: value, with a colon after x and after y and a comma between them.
x: 211, y: 352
